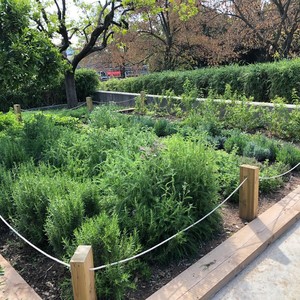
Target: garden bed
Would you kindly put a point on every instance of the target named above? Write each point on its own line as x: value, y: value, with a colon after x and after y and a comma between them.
x: 124, y: 183
x: 46, y: 276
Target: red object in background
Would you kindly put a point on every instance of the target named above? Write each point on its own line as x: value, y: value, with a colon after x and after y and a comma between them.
x: 113, y: 73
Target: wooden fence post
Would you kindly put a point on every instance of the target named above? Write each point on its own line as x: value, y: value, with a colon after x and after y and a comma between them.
x: 83, y: 280
x: 89, y: 103
x: 248, y: 205
x: 17, y: 110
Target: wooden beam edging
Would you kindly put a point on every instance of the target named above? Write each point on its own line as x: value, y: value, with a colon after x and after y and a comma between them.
x: 206, y: 277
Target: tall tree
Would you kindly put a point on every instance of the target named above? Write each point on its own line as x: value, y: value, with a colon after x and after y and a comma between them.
x: 94, y: 26
x: 28, y: 62
x: 274, y: 23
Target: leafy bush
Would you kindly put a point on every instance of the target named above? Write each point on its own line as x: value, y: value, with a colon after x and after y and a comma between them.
x: 163, y: 128
x: 30, y: 194
x: 105, y: 117
x: 109, y: 244
x: 87, y: 81
x: 289, y: 155
x: 268, y: 184
x: 65, y: 213
x: 7, y: 208
x: 40, y: 133
x: 236, y: 141
x: 12, y: 151
x: 8, y: 122
x: 228, y: 172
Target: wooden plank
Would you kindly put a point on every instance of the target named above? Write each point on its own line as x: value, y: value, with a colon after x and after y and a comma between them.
x: 82, y: 278
x: 248, y: 204
x: 203, y: 279
x: 13, y: 286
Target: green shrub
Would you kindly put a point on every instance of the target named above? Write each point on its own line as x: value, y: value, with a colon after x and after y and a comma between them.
x: 9, y: 122
x: 105, y: 117
x: 236, y: 141
x: 289, y: 155
x: 31, y: 193
x: 263, y: 82
x: 109, y: 244
x: 7, y: 208
x: 228, y: 172
x: 40, y: 133
x: 65, y: 213
x: 12, y: 151
x: 87, y: 81
x: 270, y: 185
x: 163, y: 128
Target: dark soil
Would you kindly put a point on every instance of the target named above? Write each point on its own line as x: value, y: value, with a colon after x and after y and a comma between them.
x: 45, y: 276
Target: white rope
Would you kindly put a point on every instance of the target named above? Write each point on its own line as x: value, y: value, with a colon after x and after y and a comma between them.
x: 78, y: 106
x: 33, y: 246
x: 116, y: 102
x: 170, y: 238
x: 280, y: 175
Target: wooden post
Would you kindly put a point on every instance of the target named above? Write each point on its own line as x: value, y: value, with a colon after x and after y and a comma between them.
x: 89, y: 103
x: 248, y: 205
x: 17, y: 110
x: 83, y: 280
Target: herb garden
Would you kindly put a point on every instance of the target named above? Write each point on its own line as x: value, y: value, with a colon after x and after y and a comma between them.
x: 123, y: 183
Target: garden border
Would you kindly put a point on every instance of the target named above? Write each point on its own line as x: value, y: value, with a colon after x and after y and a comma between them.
x: 212, y: 272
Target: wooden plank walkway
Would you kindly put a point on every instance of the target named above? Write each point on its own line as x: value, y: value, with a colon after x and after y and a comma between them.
x: 206, y: 277
x: 13, y: 286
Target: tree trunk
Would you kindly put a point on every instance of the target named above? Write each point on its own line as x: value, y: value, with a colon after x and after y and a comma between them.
x: 72, y: 100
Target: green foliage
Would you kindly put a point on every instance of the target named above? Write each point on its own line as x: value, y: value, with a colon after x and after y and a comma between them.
x: 163, y: 128
x: 12, y: 151
x: 106, y: 117
x: 30, y: 66
x: 87, y: 81
x: 266, y: 171
x: 9, y: 122
x: 125, y: 183
x: 40, y: 133
x: 228, y: 172
x: 236, y: 141
x: 262, y: 82
x: 65, y: 213
x: 30, y: 194
x: 110, y: 244
x: 140, y: 103
x: 289, y: 155
x: 7, y: 208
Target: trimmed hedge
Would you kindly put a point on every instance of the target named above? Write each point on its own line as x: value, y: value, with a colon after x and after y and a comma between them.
x: 261, y: 81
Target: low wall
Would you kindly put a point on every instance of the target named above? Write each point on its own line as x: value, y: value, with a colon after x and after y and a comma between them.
x: 128, y: 99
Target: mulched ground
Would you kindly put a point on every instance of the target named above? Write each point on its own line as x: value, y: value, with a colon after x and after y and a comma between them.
x: 46, y: 276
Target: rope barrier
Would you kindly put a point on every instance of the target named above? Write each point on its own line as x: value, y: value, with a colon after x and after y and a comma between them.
x: 280, y: 175
x: 170, y: 238
x: 33, y: 246
x: 116, y: 102
x: 80, y: 105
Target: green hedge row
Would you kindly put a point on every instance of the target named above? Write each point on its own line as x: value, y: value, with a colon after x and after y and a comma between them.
x: 263, y: 82
x: 33, y: 95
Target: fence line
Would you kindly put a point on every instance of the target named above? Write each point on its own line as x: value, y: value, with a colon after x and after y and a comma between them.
x: 152, y: 248
x: 33, y: 246
x: 170, y: 238
x: 130, y: 258
x: 116, y: 102
x: 280, y: 175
